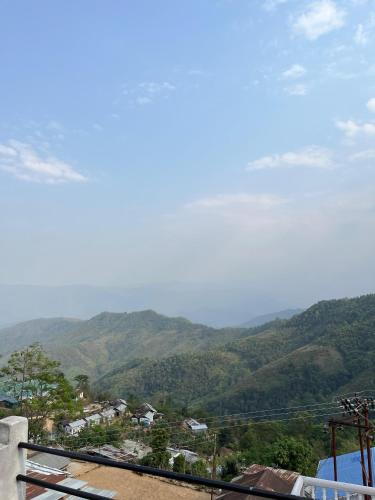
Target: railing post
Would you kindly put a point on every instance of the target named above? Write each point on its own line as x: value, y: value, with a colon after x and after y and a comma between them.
x: 13, y: 430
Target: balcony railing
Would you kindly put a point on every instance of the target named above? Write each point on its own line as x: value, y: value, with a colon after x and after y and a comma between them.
x: 322, y: 489
x: 13, y: 446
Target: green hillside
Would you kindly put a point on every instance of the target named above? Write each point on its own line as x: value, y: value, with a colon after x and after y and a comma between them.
x: 108, y: 340
x: 327, y: 349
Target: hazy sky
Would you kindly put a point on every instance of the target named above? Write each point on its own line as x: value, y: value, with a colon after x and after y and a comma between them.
x: 216, y: 141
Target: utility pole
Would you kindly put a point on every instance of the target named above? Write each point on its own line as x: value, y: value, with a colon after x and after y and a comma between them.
x: 213, y: 472
x: 356, y: 413
x: 368, y: 445
x: 363, y: 467
x: 333, y: 448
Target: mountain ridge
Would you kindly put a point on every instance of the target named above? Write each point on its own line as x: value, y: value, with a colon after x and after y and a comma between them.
x: 104, y: 341
x: 308, y: 358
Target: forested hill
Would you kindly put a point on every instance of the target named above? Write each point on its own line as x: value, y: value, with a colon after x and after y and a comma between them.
x: 108, y: 340
x: 328, y: 349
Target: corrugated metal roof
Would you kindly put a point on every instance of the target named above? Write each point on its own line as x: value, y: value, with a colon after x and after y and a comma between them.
x: 32, y: 466
x: 96, y: 417
x: 77, y: 423
x: 266, y: 478
x: 46, y: 474
x: 50, y: 460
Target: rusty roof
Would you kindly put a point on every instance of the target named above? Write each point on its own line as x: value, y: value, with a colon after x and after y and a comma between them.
x: 33, y: 490
x: 265, y: 478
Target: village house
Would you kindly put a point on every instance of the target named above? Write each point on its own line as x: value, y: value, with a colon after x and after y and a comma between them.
x: 74, y: 428
x: 108, y: 415
x: 190, y: 456
x: 265, y: 478
x: 144, y: 415
x: 120, y: 407
x: 93, y: 419
x: 194, y: 426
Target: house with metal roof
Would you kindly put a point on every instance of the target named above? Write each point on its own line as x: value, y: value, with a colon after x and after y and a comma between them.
x: 48, y: 460
x: 265, y: 478
x: 94, y: 419
x: 75, y: 427
x: 145, y: 414
x: 56, y: 476
x: 120, y: 406
x: 108, y: 415
x: 195, y: 426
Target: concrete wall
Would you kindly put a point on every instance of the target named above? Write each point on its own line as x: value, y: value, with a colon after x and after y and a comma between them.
x: 12, y: 459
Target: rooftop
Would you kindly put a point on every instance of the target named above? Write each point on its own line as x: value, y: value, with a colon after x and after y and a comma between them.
x: 266, y: 478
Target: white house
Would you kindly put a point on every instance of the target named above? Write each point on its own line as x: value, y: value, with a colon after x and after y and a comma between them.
x: 120, y: 406
x: 74, y: 428
x: 190, y: 456
x: 145, y: 414
x: 108, y: 415
x: 93, y: 419
x: 195, y: 426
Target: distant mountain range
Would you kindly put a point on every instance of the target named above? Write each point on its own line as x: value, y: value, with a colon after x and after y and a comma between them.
x: 209, y: 304
x: 109, y: 340
x: 326, y: 350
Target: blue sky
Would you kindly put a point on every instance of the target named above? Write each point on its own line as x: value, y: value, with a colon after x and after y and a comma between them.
x: 217, y: 141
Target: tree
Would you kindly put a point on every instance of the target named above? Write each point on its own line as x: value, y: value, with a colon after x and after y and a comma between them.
x: 159, y: 440
x: 199, y: 468
x: 98, y: 435
x: 159, y: 437
x: 289, y: 453
x: 179, y: 463
x: 230, y: 469
x: 41, y: 389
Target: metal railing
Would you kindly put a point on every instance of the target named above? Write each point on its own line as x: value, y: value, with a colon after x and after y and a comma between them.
x: 324, y: 489
x: 152, y: 471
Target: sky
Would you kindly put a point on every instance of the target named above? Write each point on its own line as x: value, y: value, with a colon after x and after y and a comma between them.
x: 229, y: 142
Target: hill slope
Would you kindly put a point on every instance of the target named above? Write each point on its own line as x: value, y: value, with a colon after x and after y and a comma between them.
x: 328, y: 348
x: 109, y: 340
x: 266, y: 318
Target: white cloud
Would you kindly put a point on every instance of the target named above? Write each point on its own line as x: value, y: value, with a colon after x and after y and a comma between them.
x: 321, y: 17
x: 300, y: 89
x: 352, y: 128
x: 294, y: 72
x: 371, y: 104
x: 262, y: 201
x: 25, y: 163
x: 311, y: 156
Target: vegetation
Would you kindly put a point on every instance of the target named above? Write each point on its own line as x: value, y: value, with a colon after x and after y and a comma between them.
x: 159, y: 457
x: 104, y: 342
x: 40, y: 388
x: 328, y: 349
x: 296, y: 445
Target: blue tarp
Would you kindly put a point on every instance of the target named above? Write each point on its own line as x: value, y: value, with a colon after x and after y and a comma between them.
x: 348, y: 469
